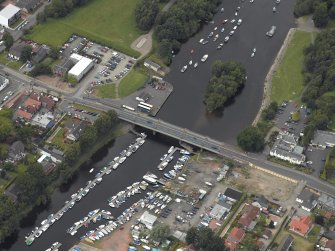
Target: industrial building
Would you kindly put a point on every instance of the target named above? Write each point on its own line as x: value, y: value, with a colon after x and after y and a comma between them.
x: 82, y: 66
x: 9, y: 15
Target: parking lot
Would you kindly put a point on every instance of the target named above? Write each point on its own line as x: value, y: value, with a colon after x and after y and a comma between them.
x: 316, y: 159
x: 79, y: 113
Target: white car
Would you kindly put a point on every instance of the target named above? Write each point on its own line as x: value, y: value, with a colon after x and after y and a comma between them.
x: 215, y: 28
x: 239, y: 22
x: 184, y: 68
x: 201, y: 41
x: 222, y: 30
x: 226, y: 39
x: 251, y: 1
x: 235, y: 27
x: 232, y: 21
x: 231, y: 33
x: 222, y: 9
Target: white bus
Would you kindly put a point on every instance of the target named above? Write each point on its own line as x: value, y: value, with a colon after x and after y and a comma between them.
x: 146, y: 104
x: 128, y: 108
x: 144, y: 108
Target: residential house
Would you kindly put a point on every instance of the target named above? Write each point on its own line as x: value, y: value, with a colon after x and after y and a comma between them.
x: 326, y: 202
x: 73, y: 129
x: 16, y: 151
x: 249, y: 215
x: 28, y: 5
x: 46, y: 101
x: 261, y: 202
x: 286, y: 148
x: 24, y: 115
x: 323, y: 139
x: 307, y: 199
x: 301, y: 225
x: 152, y: 65
x: 267, y: 234
x: 15, y: 51
x: 330, y: 245
x: 232, y: 195
x: 32, y: 105
x: 235, y: 237
x: 217, y: 212
x: 38, y: 54
x: 286, y: 243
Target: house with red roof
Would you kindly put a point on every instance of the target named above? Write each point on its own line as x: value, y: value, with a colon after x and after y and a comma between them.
x: 301, y: 225
x: 23, y: 114
x: 32, y: 104
x: 249, y: 215
x: 235, y: 237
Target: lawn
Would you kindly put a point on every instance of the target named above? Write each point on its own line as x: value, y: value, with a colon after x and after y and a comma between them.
x: 132, y: 82
x: 287, y: 83
x: 86, y: 108
x: 314, y: 233
x: 106, y: 91
x: 10, y: 63
x: 110, y: 22
x: 299, y: 242
x: 58, y: 140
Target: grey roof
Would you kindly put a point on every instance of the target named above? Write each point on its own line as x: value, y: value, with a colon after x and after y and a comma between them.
x: 217, y: 212
x: 225, y: 205
x: 233, y: 194
x: 261, y: 201
x: 16, y: 49
x: 153, y: 64
x: 286, y: 243
x: 288, y: 138
x: 308, y: 197
x: 327, y: 201
x: 28, y: 4
x: 39, y: 55
x: 323, y: 138
x: 329, y: 235
x: 9, y: 11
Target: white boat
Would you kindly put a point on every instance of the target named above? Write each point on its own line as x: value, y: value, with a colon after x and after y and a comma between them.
x: 163, y: 157
x: 141, y: 142
x: 181, y: 179
x: 151, y: 175
x: 171, y: 149
x: 150, y: 179
x: 191, y: 62
x: 182, y: 151
x: 91, y: 170
x: 204, y: 58
x: 115, y: 166
x: 122, y: 159
x: 163, y: 165
x: 195, y: 65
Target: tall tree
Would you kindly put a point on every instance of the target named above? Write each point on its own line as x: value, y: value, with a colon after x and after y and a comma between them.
x: 320, y: 16
x: 8, y: 39
x: 87, y: 138
x: 251, y: 139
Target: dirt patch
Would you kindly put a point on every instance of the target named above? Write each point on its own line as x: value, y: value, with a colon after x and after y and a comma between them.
x: 143, y: 44
x: 257, y: 182
x: 56, y: 83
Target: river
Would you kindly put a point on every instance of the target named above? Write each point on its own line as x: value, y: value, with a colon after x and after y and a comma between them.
x: 184, y: 107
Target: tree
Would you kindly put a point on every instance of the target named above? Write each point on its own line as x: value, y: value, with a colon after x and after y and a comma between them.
x: 72, y: 153
x: 160, y: 232
x: 3, y: 151
x: 54, y: 53
x: 203, y: 238
x: 9, y: 219
x: 145, y: 14
x: 87, y: 138
x: 103, y: 124
x: 6, y: 128
x: 320, y: 16
x: 25, y: 132
x: 270, y: 112
x: 164, y: 50
x: 191, y: 235
x: 8, y: 40
x: 26, y: 53
x: 251, y: 139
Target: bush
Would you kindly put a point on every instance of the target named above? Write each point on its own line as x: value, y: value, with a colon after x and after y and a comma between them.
x: 251, y: 139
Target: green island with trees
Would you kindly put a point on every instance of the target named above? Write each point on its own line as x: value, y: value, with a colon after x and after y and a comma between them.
x: 226, y: 80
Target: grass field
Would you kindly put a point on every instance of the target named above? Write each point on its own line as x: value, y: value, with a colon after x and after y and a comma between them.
x: 10, y: 63
x: 132, y: 82
x: 58, y: 140
x: 299, y: 242
x: 106, y: 91
x: 287, y: 83
x: 110, y: 22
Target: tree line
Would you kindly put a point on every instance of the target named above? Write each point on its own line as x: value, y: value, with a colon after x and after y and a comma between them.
x: 59, y: 8
x: 226, y: 80
x: 146, y: 12
x: 322, y: 10
x: 319, y: 79
x: 183, y: 20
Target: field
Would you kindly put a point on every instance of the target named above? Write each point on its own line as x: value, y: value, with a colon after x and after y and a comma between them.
x: 110, y: 22
x: 132, y: 82
x: 287, y: 83
x: 106, y: 91
x: 10, y: 63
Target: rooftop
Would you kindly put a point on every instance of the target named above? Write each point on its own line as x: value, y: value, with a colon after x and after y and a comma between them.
x: 80, y: 66
x: 233, y: 194
x: 324, y: 138
x: 9, y: 11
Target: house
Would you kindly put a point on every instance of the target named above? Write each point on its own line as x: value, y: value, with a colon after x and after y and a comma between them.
x: 148, y: 219
x: 330, y: 245
x: 267, y: 234
x: 28, y: 5
x: 232, y: 195
x: 44, y: 120
x: 286, y: 148
x: 15, y: 51
x: 47, y: 102
x: 38, y: 54
x: 301, y: 225
x: 152, y: 65
x: 73, y: 129
x: 249, y: 215
x: 323, y: 139
x: 235, y: 237
x: 16, y: 151
x: 261, y: 202
x: 307, y: 199
x: 225, y: 205
x: 23, y: 114
x: 217, y: 212
x: 326, y: 202
x: 9, y: 15
x: 32, y: 105
x: 286, y: 243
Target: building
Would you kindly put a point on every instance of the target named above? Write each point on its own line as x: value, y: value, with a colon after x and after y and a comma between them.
x: 16, y: 151
x: 261, y: 202
x: 217, y: 212
x: 301, y: 225
x: 323, y: 139
x: 73, y: 129
x: 235, y: 237
x: 267, y: 234
x: 9, y: 15
x: 307, y: 199
x: 22, y: 114
x: 249, y: 215
x: 232, y: 195
x: 148, y: 219
x: 286, y: 243
x: 28, y: 5
x: 38, y: 53
x: 82, y: 66
x: 326, y: 202
x: 32, y: 105
x: 44, y: 120
x: 330, y: 245
x: 152, y: 65
x: 15, y: 51
x: 286, y: 148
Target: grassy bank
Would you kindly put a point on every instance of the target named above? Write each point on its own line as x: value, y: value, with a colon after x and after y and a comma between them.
x: 110, y: 22
x: 287, y: 83
x: 132, y: 82
x: 106, y: 91
x: 299, y: 242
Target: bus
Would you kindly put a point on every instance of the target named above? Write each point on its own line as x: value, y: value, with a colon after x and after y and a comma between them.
x: 128, y: 108
x: 144, y: 108
x: 146, y: 104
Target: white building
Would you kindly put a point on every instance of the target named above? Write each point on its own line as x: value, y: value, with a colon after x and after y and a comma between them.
x: 9, y: 15
x: 82, y: 66
x: 148, y: 219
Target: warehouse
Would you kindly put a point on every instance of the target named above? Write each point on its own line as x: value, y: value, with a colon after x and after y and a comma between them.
x: 9, y: 15
x: 82, y: 66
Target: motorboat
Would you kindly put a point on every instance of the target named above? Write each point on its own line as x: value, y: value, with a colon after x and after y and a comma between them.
x: 182, y: 151
x: 150, y: 179
x: 151, y: 175
x: 163, y: 157
x: 171, y: 149
x: 91, y: 170
x: 191, y: 62
x: 169, y: 159
x: 122, y: 159
x: 115, y: 165
x: 184, y: 68
x: 195, y: 65
x: 204, y: 58
x: 163, y: 165
x: 94, y: 212
x: 98, y: 180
